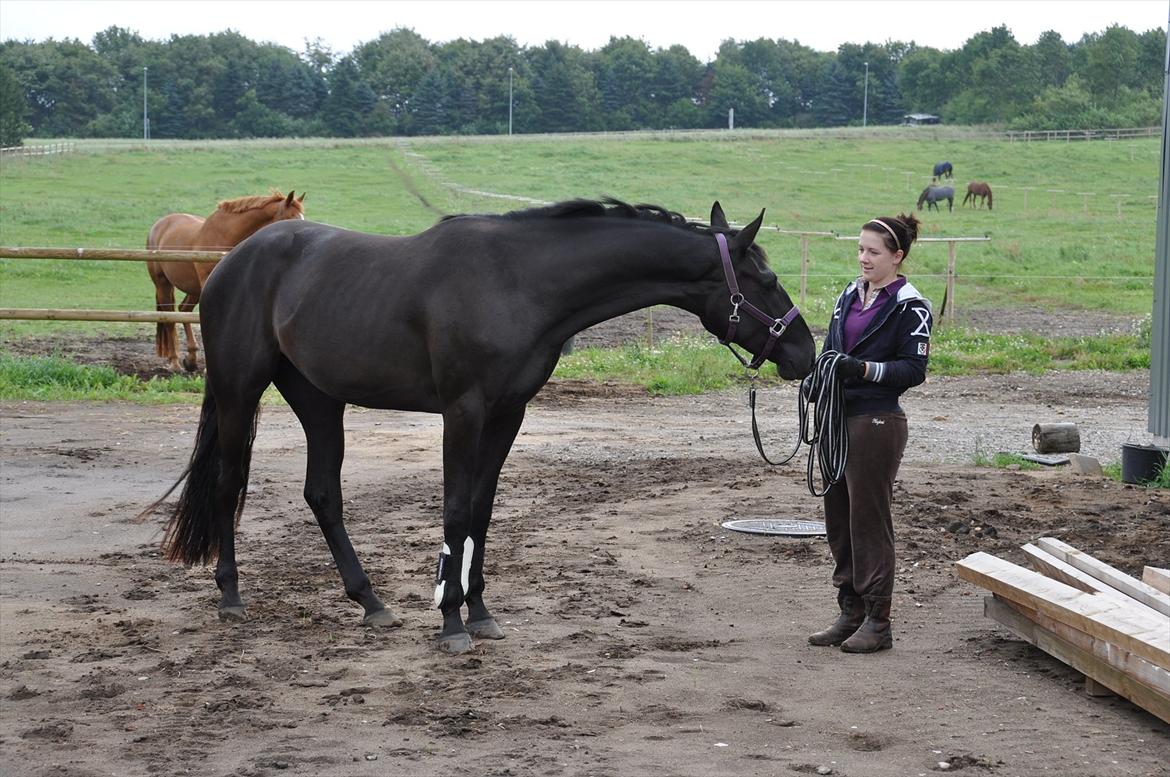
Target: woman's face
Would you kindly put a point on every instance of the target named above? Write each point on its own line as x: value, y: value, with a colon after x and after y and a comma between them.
x: 879, y: 265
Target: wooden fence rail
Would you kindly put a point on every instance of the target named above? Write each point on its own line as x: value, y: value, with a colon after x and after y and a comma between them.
x: 70, y: 314
x: 110, y: 254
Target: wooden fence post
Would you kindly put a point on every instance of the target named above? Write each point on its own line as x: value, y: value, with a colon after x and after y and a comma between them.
x: 949, y: 310
x: 803, y: 268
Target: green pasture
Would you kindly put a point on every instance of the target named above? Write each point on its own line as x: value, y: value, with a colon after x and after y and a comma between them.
x: 1072, y: 228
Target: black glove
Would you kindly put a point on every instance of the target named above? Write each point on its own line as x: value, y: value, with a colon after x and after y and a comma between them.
x: 848, y: 367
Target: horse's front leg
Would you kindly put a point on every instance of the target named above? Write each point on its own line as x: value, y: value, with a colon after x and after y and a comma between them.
x: 463, y: 424
x: 495, y: 444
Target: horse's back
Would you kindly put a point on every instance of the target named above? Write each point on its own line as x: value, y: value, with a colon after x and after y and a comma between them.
x: 175, y: 231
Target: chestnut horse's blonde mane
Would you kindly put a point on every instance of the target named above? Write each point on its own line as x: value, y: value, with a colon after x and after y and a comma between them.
x: 241, y: 204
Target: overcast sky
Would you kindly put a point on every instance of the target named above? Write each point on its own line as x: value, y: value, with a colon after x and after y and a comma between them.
x: 699, y: 25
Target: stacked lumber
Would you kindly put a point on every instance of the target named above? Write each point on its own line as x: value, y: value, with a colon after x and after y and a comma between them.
x: 1111, y: 627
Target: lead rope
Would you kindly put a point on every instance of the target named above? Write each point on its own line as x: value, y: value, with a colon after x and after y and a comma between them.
x: 827, y: 436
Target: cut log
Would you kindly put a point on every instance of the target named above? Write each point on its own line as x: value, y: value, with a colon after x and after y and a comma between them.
x: 1157, y: 578
x: 1130, y: 586
x: 1083, y: 661
x: 1056, y: 438
x: 1131, y: 628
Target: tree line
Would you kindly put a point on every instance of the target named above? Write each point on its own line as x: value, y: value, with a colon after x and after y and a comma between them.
x: 226, y: 86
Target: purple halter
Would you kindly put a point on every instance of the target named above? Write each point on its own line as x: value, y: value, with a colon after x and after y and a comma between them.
x: 776, y: 326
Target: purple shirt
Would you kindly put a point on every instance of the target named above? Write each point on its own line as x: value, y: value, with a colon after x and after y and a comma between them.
x: 858, y: 320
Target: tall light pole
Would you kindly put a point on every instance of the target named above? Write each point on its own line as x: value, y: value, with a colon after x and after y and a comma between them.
x: 865, y: 99
x: 145, y: 117
x: 509, y: 101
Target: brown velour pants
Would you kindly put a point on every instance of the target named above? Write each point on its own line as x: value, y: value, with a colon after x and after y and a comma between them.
x: 858, y: 523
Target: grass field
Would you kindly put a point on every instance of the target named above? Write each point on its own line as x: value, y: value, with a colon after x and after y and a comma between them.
x: 1073, y: 226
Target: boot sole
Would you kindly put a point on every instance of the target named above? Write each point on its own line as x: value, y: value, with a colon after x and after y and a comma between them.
x: 879, y: 647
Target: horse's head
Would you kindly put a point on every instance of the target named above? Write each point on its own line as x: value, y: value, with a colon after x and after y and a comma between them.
x: 751, y: 312
x: 290, y: 207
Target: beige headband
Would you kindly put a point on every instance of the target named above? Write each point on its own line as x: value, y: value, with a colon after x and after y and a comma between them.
x: 886, y: 227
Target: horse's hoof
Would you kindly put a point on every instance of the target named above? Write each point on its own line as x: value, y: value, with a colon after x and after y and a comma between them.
x: 190, y: 366
x: 455, y: 644
x: 233, y: 614
x: 383, y: 618
x: 485, y: 629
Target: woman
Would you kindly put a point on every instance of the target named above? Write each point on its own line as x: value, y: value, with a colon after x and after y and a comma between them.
x: 881, y: 324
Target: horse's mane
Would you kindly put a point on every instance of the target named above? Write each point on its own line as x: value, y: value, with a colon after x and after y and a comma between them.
x: 608, y: 207
x: 241, y: 204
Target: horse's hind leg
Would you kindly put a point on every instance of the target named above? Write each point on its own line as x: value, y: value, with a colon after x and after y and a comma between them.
x: 237, y: 429
x: 495, y: 443
x: 164, y: 301
x: 191, y: 363
x: 321, y: 417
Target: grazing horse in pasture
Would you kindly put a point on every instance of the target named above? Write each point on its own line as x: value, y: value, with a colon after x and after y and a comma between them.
x: 980, y: 190
x: 232, y: 221
x: 943, y: 170
x: 466, y: 319
x: 932, y: 194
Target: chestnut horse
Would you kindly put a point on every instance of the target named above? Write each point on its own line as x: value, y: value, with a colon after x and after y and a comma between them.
x: 232, y: 221
x: 980, y: 190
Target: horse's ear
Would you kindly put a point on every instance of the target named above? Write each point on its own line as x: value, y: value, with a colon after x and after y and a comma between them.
x: 289, y: 199
x: 302, y: 197
x: 717, y: 217
x: 746, y: 236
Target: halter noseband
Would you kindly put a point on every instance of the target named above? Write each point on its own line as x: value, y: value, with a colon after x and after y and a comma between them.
x: 776, y: 326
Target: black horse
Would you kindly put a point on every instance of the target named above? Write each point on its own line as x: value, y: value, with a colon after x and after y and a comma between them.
x: 466, y: 319
x: 943, y: 169
x: 931, y: 195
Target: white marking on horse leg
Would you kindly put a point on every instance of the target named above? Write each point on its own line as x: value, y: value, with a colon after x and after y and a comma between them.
x: 440, y: 583
x: 465, y: 572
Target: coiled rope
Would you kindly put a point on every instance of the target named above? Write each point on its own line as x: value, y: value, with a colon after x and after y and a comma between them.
x: 822, y: 398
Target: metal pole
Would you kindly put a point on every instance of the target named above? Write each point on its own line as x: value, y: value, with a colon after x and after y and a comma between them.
x: 145, y: 116
x: 509, y: 101
x: 865, y: 99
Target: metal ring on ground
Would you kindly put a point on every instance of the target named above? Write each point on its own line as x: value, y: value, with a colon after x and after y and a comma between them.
x: 782, y: 526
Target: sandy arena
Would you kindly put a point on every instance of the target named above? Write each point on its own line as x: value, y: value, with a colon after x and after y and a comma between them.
x: 643, y: 638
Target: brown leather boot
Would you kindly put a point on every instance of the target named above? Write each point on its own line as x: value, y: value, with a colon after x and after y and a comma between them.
x: 851, y: 617
x: 875, y: 633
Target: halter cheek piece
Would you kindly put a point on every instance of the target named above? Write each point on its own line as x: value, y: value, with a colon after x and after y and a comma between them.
x: 776, y: 326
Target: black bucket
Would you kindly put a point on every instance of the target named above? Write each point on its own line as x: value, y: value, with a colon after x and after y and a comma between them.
x: 1141, y: 463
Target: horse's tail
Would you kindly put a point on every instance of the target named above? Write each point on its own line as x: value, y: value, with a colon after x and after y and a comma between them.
x: 989, y: 198
x: 192, y: 534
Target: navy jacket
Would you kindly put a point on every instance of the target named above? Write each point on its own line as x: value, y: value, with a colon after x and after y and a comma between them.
x: 896, y: 344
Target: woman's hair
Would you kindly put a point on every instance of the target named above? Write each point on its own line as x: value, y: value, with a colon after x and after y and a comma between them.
x: 898, y: 232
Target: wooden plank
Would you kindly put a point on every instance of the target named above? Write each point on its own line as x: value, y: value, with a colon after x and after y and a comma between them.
x: 48, y: 314
x: 1151, y: 675
x: 1085, y: 663
x: 1131, y: 628
x: 1052, y: 567
x: 1130, y: 586
x: 109, y: 254
x: 1158, y: 578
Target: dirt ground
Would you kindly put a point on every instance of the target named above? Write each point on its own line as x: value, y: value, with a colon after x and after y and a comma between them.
x: 643, y: 638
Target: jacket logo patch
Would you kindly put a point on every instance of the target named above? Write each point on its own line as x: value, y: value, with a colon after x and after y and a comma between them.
x: 924, y: 349
x: 923, y: 329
